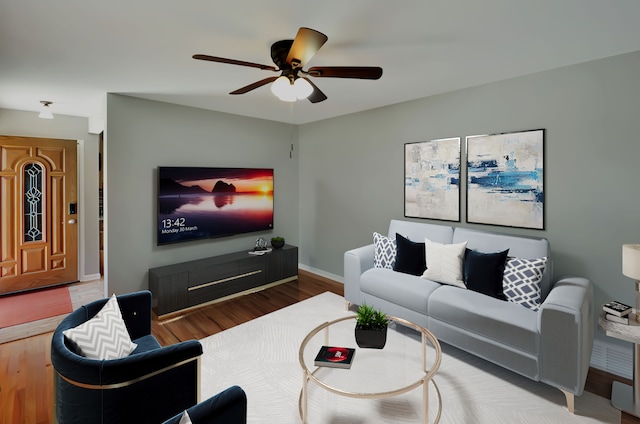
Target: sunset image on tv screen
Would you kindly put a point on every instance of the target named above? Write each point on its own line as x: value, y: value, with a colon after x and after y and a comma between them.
x: 196, y: 203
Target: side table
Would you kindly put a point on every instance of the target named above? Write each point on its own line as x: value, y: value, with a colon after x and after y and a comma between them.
x: 623, y: 396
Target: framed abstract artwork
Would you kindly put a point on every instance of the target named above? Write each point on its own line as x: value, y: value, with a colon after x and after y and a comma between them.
x: 505, y: 179
x: 432, y: 179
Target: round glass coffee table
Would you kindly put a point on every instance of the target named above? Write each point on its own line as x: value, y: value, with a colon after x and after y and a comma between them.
x: 401, y: 366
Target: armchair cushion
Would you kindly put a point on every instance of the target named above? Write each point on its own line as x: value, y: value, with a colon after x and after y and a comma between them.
x: 104, y: 336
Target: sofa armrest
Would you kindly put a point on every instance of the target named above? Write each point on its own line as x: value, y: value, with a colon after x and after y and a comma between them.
x: 566, y: 326
x: 356, y: 261
x: 227, y: 407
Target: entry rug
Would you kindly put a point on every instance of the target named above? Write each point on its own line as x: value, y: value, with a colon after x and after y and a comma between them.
x: 33, y: 306
x: 261, y: 356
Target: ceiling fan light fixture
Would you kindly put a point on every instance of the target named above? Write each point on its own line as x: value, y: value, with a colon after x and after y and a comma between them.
x: 288, y: 97
x: 281, y: 87
x: 45, y: 110
x: 302, y: 88
x: 289, y: 91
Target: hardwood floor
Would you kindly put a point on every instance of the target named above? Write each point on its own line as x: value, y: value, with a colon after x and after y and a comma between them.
x: 218, y: 317
x: 26, y: 373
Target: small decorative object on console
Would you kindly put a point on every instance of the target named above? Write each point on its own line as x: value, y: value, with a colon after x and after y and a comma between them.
x: 277, y: 242
x: 616, y: 308
x: 261, y: 244
x: 335, y: 357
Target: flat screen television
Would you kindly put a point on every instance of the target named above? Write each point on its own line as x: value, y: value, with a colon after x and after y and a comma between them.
x: 197, y: 202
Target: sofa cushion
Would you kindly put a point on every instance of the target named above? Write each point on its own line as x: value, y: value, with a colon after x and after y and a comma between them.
x: 502, y: 322
x: 104, y: 336
x: 483, y: 272
x: 521, y: 281
x: 519, y: 246
x: 405, y: 290
x: 444, y: 262
x: 410, y: 256
x: 384, y: 255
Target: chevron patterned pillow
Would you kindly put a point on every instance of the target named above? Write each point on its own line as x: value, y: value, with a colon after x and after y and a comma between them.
x: 104, y: 336
x: 185, y: 419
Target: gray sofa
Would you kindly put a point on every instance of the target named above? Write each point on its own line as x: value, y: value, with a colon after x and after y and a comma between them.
x: 552, y: 345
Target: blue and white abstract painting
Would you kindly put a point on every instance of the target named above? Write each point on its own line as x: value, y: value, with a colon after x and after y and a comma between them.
x: 432, y: 179
x: 505, y: 179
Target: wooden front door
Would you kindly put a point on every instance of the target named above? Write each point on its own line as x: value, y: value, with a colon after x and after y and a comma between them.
x: 38, y: 205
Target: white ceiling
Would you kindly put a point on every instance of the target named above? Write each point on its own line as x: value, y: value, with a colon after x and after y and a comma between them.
x: 73, y: 52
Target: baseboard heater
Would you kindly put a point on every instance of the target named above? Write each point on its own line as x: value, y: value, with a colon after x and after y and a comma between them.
x: 612, y: 358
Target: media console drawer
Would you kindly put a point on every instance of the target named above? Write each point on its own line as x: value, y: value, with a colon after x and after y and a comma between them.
x: 189, y: 284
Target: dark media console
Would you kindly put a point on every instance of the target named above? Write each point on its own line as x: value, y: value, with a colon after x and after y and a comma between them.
x: 195, y: 283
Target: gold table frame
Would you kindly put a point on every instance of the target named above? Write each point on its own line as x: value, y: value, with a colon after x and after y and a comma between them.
x: 423, y: 381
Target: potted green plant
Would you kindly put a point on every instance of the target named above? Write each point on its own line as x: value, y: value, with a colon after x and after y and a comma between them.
x: 277, y: 242
x: 371, y: 327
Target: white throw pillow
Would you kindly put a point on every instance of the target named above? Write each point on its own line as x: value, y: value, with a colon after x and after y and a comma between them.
x: 521, y: 281
x: 384, y: 254
x: 104, y: 336
x: 444, y: 262
x: 185, y: 419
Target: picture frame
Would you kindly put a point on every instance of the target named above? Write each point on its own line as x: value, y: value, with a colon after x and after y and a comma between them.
x: 432, y: 179
x: 505, y: 179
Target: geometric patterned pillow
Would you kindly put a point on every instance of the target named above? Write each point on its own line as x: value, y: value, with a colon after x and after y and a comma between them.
x: 521, y: 281
x: 384, y: 254
x: 104, y: 336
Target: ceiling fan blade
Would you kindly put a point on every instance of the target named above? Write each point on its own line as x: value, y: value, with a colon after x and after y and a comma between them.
x: 317, y: 96
x: 233, y: 62
x: 253, y: 86
x: 307, y: 42
x: 359, y: 72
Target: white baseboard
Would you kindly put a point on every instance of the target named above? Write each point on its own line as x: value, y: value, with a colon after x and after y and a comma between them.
x: 612, y: 358
x: 322, y: 273
x: 90, y: 277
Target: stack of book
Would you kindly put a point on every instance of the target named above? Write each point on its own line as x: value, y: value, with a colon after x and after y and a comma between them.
x: 617, y: 312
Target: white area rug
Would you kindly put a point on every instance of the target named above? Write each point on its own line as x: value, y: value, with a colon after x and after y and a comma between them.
x: 261, y: 356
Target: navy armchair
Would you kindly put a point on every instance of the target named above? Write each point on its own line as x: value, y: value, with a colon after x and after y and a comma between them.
x: 150, y: 385
x: 227, y: 407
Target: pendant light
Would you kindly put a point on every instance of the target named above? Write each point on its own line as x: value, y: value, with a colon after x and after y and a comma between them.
x: 45, y: 110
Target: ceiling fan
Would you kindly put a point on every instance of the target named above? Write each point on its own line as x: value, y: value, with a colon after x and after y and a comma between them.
x: 290, y: 56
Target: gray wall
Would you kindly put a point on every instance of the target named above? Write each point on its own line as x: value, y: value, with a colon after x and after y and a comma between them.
x: 351, y: 179
x: 27, y: 124
x: 142, y: 135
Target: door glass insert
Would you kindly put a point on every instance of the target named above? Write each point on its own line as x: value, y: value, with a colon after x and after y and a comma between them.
x: 33, y: 202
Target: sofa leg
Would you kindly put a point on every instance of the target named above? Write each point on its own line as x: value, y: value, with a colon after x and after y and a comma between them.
x: 570, y: 401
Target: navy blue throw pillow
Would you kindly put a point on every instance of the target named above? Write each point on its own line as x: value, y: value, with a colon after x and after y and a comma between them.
x: 483, y: 272
x: 410, y: 256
